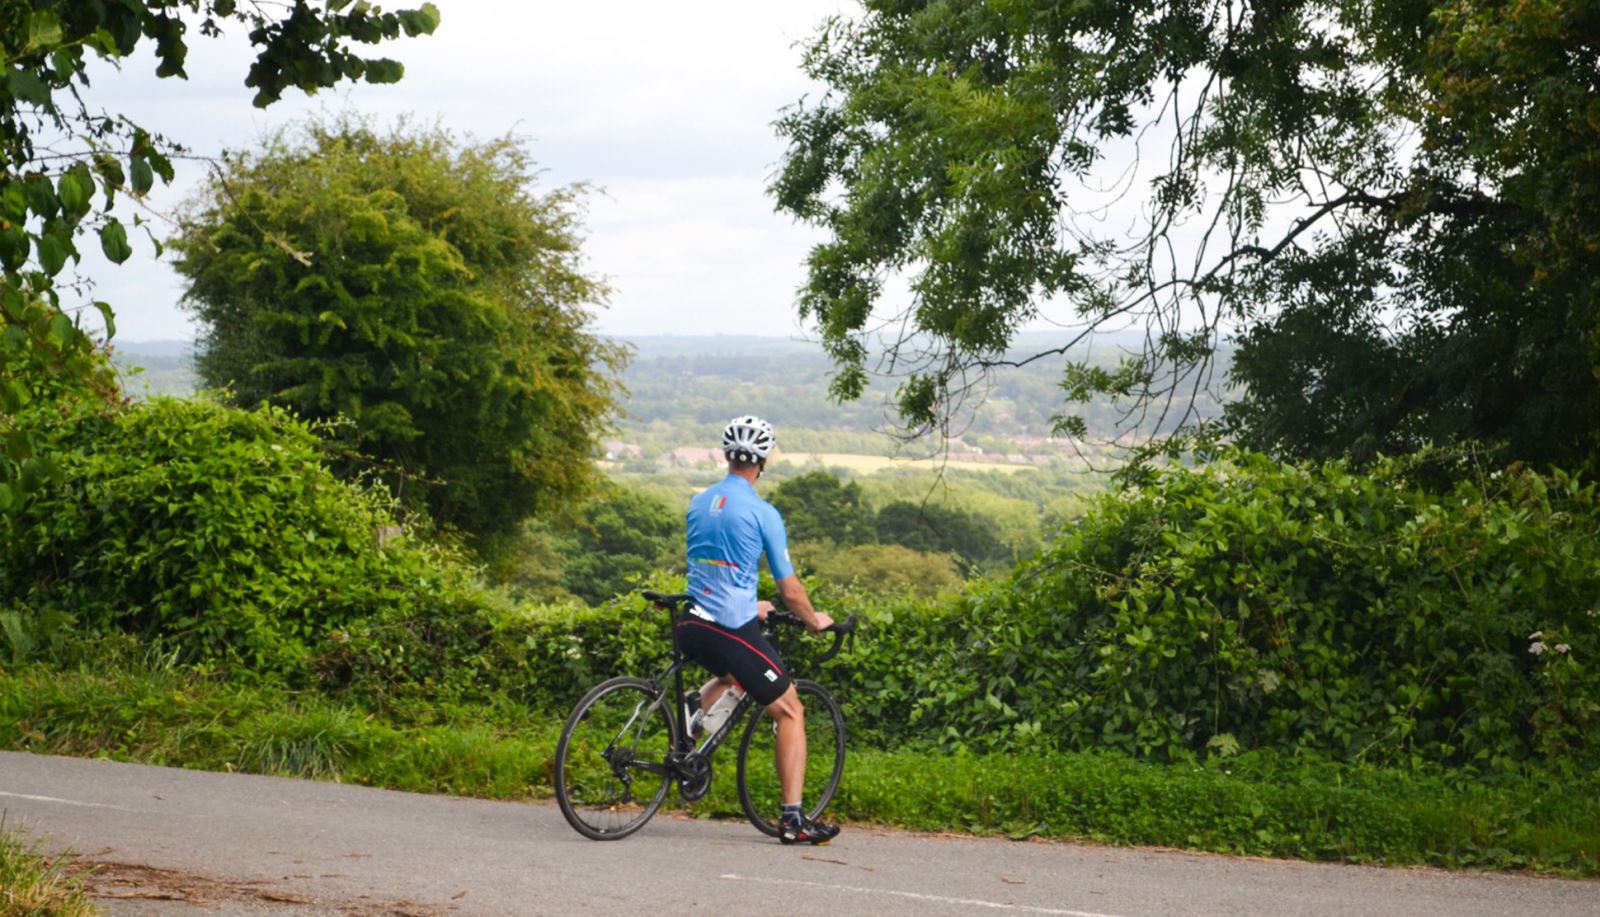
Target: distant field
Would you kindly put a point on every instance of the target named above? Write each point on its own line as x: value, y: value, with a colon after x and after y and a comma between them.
x: 867, y: 464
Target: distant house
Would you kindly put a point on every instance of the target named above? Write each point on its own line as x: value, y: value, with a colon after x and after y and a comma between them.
x: 617, y: 450
x: 691, y: 455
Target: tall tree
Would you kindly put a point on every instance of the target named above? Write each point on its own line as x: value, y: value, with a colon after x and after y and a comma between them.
x: 1398, y: 201
x: 62, y: 164
x: 605, y: 547
x: 618, y: 539
x: 816, y: 506
x: 424, y: 289
x: 932, y: 528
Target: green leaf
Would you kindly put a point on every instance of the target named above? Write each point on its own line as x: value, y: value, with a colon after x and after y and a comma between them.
x: 13, y: 248
x: 53, y: 252
x: 44, y: 29
x: 384, y: 70
x: 15, y: 396
x: 6, y: 498
x: 14, y: 202
x: 114, y: 242
x: 62, y: 330
x: 110, y: 170
x: 25, y: 85
x: 419, y: 21
x: 143, y: 177
x: 160, y: 164
x: 103, y: 41
x: 42, y: 198
x: 110, y: 318
x: 74, y: 189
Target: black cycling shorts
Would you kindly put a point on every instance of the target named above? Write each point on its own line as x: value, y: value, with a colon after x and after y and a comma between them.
x: 745, y: 653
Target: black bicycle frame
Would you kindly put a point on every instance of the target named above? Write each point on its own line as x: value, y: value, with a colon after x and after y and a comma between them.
x: 684, y: 743
x: 674, y: 670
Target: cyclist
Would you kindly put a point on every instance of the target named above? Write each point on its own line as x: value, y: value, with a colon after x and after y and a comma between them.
x: 729, y: 529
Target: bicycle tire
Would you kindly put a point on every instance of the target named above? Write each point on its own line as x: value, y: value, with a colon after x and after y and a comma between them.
x: 597, y: 802
x: 825, y: 741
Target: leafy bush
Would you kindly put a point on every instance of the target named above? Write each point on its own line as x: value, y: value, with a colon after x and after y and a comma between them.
x: 214, y: 531
x: 817, y: 506
x: 419, y: 286
x: 1249, y: 604
x: 610, y: 542
x: 882, y: 569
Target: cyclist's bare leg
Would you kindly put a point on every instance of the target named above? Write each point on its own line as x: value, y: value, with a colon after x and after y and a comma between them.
x: 711, y: 690
x: 790, y: 716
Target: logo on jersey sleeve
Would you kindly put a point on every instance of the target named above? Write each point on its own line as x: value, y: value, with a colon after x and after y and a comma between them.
x: 718, y: 504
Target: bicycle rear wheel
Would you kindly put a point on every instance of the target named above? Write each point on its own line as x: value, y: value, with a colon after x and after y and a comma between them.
x: 611, y: 763
x: 759, y: 793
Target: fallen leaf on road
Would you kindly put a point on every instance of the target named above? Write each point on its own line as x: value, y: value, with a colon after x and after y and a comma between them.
x: 458, y: 897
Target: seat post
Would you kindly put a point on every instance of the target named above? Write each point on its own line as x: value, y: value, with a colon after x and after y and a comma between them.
x: 678, y: 712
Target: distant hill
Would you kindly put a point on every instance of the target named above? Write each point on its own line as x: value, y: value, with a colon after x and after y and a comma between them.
x: 151, y: 368
x: 681, y: 386
x: 168, y: 348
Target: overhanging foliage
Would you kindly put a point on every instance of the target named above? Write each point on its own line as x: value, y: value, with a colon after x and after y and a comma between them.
x: 1397, y: 200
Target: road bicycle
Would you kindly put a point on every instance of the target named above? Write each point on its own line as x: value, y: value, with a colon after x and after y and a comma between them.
x: 629, y: 740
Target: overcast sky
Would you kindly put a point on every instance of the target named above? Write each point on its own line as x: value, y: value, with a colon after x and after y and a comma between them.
x: 666, y: 108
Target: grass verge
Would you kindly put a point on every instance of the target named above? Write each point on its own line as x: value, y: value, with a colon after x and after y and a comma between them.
x: 33, y: 885
x: 1253, y: 805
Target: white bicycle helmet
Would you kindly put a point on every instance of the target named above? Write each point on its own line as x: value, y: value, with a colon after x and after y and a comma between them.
x: 748, y: 439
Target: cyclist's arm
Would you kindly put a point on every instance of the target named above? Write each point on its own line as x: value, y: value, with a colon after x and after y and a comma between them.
x: 775, y: 543
x: 795, y: 600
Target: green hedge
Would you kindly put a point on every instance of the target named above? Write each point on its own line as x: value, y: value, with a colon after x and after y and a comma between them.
x: 215, y: 533
x: 1244, y: 605
x: 1249, y: 604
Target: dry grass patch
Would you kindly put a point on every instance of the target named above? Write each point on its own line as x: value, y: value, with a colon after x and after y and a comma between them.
x: 34, y: 885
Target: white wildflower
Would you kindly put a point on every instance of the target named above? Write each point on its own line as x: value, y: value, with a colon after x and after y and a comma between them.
x: 1537, y: 648
x: 1536, y: 635
x: 1563, y: 648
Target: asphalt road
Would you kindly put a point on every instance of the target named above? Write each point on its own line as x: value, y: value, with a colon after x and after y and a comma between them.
x: 164, y: 841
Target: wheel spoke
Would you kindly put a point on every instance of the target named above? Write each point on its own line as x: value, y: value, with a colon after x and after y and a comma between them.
x: 611, y: 774
x: 759, y: 791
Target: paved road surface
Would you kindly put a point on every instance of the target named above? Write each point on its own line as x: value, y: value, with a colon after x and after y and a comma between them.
x: 188, y: 843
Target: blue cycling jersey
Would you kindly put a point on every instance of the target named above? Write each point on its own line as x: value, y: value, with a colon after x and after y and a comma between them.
x: 729, y: 529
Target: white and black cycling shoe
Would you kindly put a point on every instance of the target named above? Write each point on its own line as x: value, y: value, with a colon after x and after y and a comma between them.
x: 806, y: 831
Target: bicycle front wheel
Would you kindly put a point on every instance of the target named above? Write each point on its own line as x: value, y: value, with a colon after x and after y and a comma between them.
x: 612, y: 769
x: 759, y: 793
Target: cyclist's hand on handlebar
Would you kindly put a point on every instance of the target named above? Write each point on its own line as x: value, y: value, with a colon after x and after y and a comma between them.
x: 822, y: 623
x: 763, y: 608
